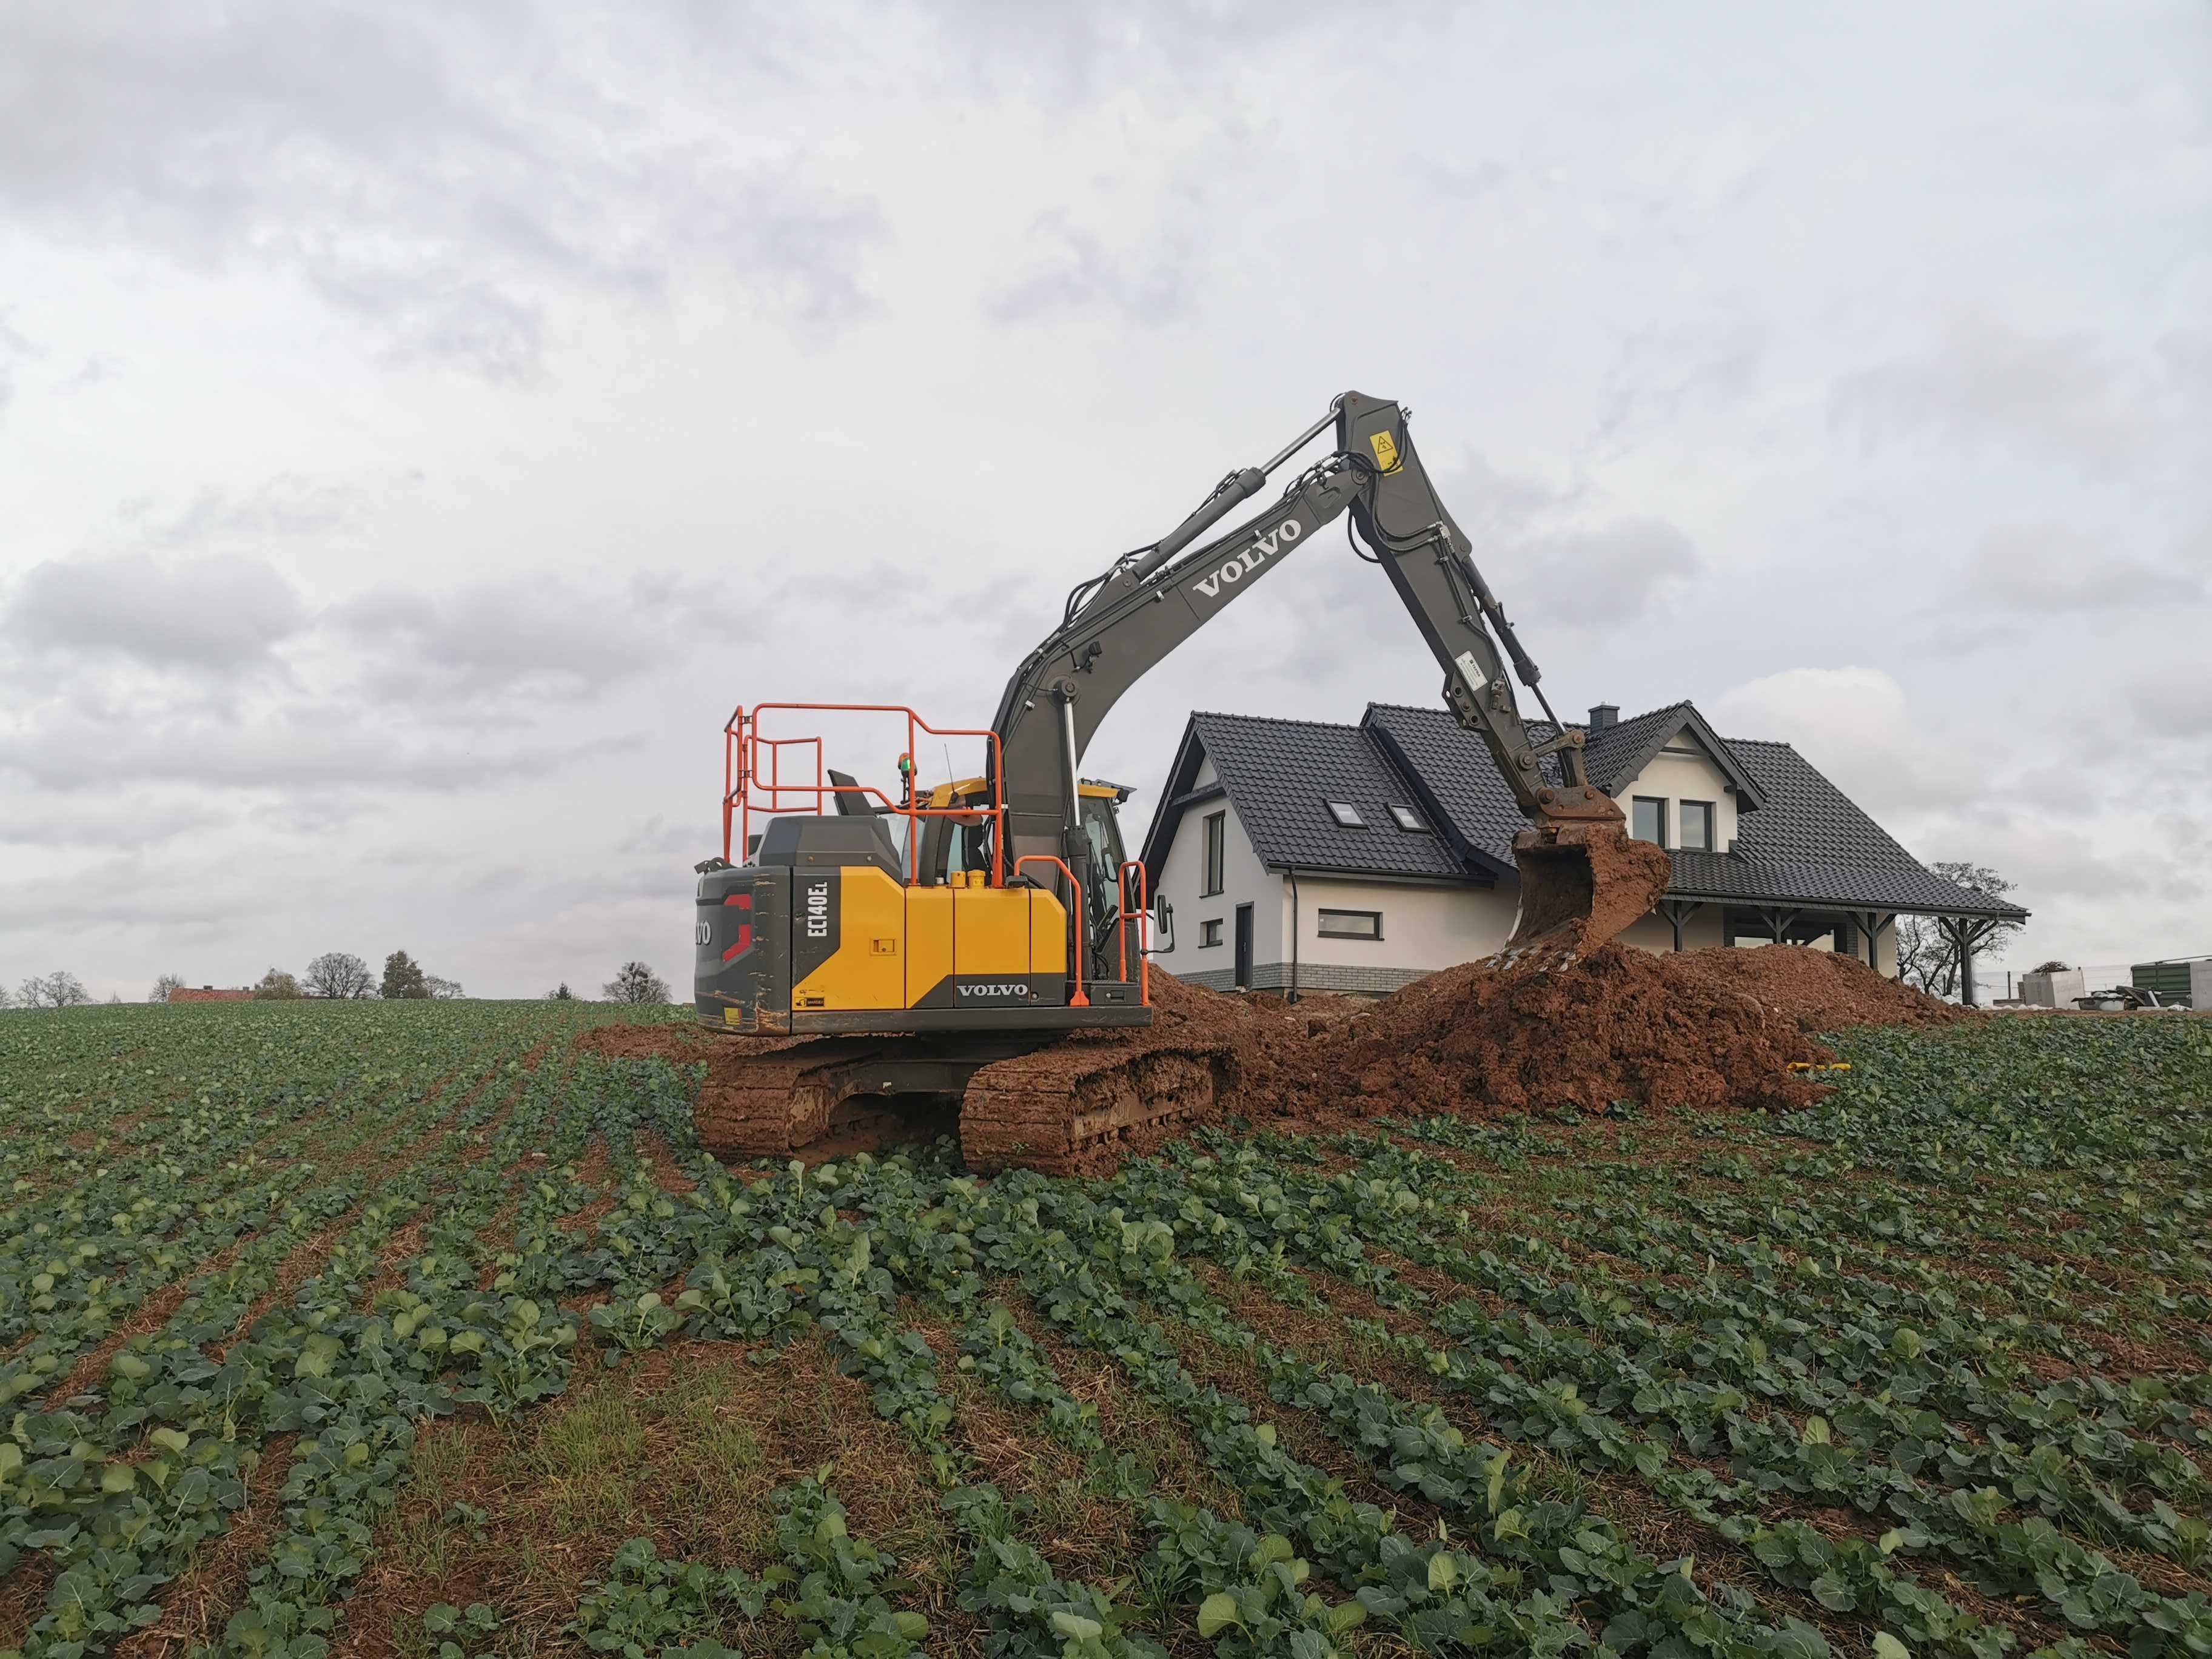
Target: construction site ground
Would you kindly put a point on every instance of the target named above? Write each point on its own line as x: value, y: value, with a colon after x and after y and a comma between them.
x: 375, y: 1327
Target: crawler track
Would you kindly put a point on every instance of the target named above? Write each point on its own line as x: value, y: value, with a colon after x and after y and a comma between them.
x: 1065, y: 1106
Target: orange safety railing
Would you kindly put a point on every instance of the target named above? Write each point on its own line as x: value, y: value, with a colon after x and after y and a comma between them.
x: 1142, y: 917
x: 753, y: 780
x: 1075, y: 924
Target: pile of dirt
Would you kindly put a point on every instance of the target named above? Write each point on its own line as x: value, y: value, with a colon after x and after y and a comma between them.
x: 1617, y: 1025
x: 1819, y: 989
x: 1702, y: 1030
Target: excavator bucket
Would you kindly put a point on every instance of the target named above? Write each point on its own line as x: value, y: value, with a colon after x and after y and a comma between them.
x: 1583, y: 881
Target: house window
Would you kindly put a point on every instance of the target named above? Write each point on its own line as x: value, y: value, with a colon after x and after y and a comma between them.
x: 1408, y: 820
x: 1209, y: 933
x: 1346, y: 816
x: 1647, y: 819
x: 1698, y: 827
x: 1351, y: 924
x: 1216, y: 843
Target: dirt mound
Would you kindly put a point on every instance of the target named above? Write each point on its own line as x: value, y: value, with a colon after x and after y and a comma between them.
x: 1819, y: 989
x: 1618, y: 1025
x: 1702, y: 1030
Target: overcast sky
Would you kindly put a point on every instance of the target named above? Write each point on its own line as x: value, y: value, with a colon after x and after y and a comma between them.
x: 420, y: 424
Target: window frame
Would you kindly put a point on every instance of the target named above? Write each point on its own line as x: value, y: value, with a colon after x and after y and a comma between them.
x: 1408, y: 819
x: 1209, y: 934
x: 1322, y: 930
x: 1213, y: 854
x: 1660, y: 802
x: 1712, y: 825
x: 1344, y: 815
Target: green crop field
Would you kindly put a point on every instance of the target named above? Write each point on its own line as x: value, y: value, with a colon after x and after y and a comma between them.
x: 414, y: 1328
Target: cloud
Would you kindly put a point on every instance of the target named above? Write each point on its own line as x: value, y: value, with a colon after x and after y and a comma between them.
x: 1856, y: 726
x: 288, y: 509
x: 302, y: 751
x: 519, y: 638
x: 2035, y: 571
x: 221, y: 617
x: 1081, y: 273
x: 441, y: 175
x: 15, y: 350
x: 1984, y: 385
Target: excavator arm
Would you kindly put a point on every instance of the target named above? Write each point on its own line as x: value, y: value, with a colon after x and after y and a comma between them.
x: 1116, y: 627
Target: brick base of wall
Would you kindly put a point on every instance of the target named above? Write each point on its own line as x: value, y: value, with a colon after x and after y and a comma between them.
x: 1312, y: 976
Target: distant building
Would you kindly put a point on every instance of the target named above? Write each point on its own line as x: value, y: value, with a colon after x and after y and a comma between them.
x: 209, y: 994
x: 1359, y: 858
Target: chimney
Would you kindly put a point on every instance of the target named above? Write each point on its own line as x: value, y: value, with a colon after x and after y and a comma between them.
x: 1603, y: 715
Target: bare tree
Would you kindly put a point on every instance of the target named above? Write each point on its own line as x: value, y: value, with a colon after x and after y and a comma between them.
x: 163, y: 986
x: 446, y: 990
x: 58, y: 989
x: 635, y: 982
x: 1927, y: 954
x: 277, y: 986
x: 339, y: 973
x: 7, y: 997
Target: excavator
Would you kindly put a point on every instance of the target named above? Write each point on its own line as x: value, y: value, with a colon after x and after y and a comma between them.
x: 980, y: 943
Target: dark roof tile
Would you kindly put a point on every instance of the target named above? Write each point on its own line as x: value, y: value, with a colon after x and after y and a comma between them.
x: 1280, y: 775
x: 1806, y: 843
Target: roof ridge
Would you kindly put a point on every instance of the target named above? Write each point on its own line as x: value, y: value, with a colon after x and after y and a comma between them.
x: 1273, y: 719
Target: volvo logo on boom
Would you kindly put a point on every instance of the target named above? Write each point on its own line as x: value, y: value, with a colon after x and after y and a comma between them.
x: 1263, y: 548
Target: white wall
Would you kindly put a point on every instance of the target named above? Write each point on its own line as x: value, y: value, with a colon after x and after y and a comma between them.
x: 1424, y: 927
x: 1244, y: 881
x: 1676, y: 778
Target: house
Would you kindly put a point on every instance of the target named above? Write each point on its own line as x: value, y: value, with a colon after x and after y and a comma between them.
x: 1297, y: 854
x: 209, y: 994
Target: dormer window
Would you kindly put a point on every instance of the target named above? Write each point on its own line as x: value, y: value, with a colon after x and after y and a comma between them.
x: 1346, y: 816
x: 1408, y: 820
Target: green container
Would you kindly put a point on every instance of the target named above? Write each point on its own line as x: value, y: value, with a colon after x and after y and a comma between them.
x: 2169, y: 980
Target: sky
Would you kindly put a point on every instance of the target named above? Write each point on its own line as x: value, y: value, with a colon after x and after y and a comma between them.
x: 420, y: 425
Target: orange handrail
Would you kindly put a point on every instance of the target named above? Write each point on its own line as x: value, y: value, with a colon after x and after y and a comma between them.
x: 1142, y: 915
x: 743, y: 774
x: 1075, y: 929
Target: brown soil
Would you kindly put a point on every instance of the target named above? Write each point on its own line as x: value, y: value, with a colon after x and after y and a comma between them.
x: 1618, y: 1025
x: 1546, y: 1032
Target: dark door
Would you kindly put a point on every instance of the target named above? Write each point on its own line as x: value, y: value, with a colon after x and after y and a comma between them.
x: 1244, y: 947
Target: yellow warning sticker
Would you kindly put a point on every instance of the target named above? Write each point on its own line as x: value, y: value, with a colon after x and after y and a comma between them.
x: 1386, y: 450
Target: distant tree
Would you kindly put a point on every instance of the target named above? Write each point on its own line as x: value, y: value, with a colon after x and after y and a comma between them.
x: 1928, y: 956
x: 403, y: 978
x: 446, y: 990
x: 2053, y: 966
x: 635, y: 982
x: 339, y: 973
x: 163, y: 986
x: 560, y: 992
x: 55, y: 990
x: 7, y: 997
x: 277, y: 986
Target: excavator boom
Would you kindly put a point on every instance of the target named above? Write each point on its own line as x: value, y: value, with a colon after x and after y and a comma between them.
x: 952, y: 967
